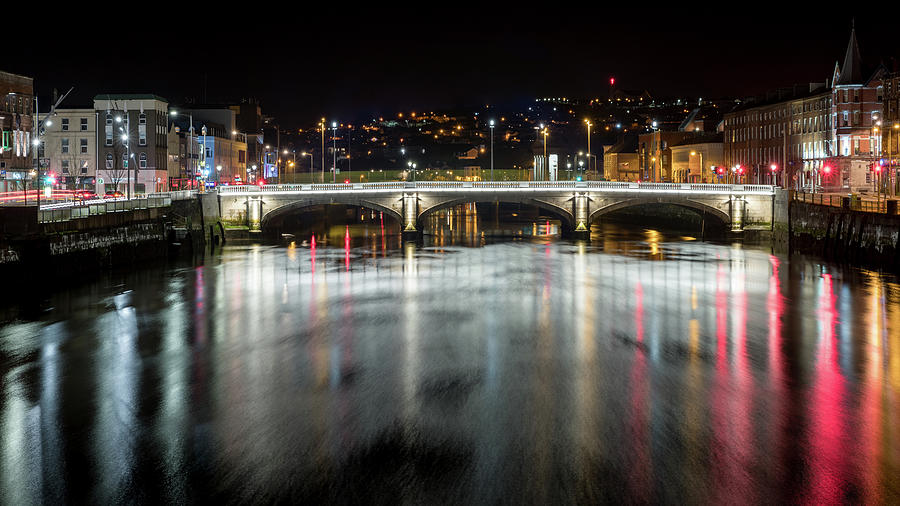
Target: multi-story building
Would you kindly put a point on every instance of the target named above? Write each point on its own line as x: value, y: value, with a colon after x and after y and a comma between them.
x: 890, y: 128
x: 786, y: 132
x: 856, y: 115
x: 183, y: 158
x: 132, y: 143
x: 17, y: 124
x: 655, y: 155
x: 823, y: 136
x: 69, y: 148
x: 621, y: 161
x: 220, y: 152
x: 693, y: 159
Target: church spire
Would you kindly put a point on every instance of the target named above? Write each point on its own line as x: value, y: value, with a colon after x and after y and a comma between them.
x: 851, y: 70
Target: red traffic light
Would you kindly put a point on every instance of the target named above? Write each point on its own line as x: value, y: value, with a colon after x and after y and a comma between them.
x: 878, y: 167
x: 261, y: 182
x: 827, y: 169
x: 346, y: 181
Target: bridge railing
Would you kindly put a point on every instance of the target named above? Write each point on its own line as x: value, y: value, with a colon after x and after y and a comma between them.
x: 436, y: 185
x: 55, y: 213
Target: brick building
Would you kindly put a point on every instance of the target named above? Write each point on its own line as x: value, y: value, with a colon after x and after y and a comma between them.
x: 815, y: 137
x: 890, y: 128
x: 16, y: 124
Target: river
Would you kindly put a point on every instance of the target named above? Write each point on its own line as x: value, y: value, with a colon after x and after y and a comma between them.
x: 642, y: 367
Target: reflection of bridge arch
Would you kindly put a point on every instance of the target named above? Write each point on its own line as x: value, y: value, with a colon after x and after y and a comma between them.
x: 705, y: 209
x: 275, y: 216
x: 556, y: 210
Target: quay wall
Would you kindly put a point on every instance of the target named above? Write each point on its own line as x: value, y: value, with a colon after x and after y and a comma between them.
x: 843, y: 235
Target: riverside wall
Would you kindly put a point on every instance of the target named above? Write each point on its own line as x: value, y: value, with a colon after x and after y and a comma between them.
x: 844, y: 235
x: 109, y: 240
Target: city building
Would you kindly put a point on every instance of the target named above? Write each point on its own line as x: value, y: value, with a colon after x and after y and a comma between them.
x: 17, y: 125
x: 68, y: 148
x: 856, y: 116
x: 133, y: 143
x: 182, y: 157
x: 694, y: 159
x: 821, y: 137
x: 890, y: 129
x: 655, y: 155
x: 220, y: 152
x: 621, y: 161
x: 786, y: 132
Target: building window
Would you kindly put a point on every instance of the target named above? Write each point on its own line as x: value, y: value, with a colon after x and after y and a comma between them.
x: 65, y: 166
x: 143, y: 160
x: 84, y: 124
x: 142, y: 119
x: 84, y: 146
x: 65, y: 146
x: 84, y: 166
x: 65, y: 124
x: 108, y: 119
x: 109, y: 160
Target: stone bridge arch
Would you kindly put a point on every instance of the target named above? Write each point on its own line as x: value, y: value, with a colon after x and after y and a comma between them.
x: 607, y: 206
x: 556, y: 206
x: 284, y: 208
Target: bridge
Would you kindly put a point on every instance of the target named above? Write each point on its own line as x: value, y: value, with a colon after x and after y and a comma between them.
x: 577, y: 203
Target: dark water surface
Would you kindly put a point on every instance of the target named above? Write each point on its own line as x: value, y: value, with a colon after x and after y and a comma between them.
x: 640, y: 368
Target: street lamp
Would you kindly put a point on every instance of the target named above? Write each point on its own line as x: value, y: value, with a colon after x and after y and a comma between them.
x: 695, y: 153
x: 412, y: 167
x: 334, y: 151
x: 492, y: 150
x: 589, y: 124
x: 310, y: 155
x: 193, y: 171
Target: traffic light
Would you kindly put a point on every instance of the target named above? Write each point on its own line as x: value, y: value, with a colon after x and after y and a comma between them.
x: 827, y: 169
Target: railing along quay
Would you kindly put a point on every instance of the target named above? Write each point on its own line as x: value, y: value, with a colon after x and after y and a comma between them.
x: 845, y: 202
x: 65, y: 211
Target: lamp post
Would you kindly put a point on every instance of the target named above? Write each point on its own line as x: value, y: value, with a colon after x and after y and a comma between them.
x: 492, y: 149
x: 293, y: 162
x: 310, y: 155
x: 334, y: 151
x: 190, y: 145
x: 695, y: 153
x: 546, y: 132
x: 322, y: 129
x: 412, y: 167
x: 589, y: 124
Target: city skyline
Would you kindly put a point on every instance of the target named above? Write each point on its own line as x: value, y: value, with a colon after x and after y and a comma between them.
x: 381, y: 65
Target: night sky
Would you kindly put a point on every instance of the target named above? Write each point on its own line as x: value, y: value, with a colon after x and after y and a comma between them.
x: 351, y: 64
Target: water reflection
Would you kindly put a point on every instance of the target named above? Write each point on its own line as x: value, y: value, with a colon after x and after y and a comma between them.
x: 638, y: 367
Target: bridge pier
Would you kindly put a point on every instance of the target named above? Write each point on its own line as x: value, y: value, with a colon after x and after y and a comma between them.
x: 410, y: 213
x: 582, y: 213
x: 254, y: 212
x: 737, y: 213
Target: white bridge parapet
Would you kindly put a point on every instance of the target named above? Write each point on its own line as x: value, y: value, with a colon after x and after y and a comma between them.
x: 499, y: 185
x: 577, y: 202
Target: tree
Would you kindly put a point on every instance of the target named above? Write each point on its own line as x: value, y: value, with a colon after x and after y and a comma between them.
x: 115, y: 170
